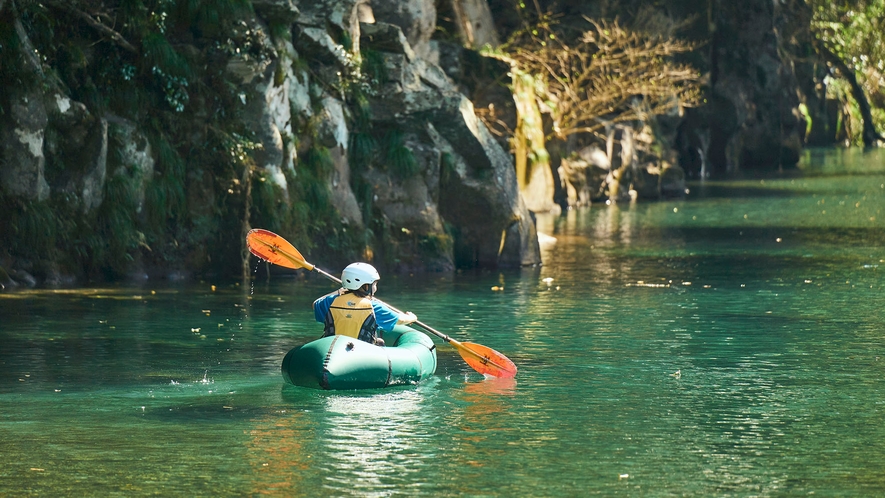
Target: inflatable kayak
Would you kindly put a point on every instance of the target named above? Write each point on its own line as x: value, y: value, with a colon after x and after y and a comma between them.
x: 341, y: 362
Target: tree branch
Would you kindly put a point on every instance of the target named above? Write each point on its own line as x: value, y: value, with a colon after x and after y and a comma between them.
x: 97, y: 25
x: 602, y: 72
x: 869, y: 134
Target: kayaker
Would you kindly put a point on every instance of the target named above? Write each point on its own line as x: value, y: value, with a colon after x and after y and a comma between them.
x: 352, y: 310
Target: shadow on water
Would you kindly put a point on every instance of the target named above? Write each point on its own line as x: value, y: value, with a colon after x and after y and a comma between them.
x: 777, y: 239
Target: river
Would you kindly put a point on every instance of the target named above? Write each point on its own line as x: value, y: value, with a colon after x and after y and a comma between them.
x: 726, y: 344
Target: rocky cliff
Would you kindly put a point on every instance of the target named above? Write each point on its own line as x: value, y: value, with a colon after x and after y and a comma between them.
x: 148, y: 152
x: 143, y: 138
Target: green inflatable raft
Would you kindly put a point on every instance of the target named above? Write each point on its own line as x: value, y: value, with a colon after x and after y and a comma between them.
x: 340, y: 362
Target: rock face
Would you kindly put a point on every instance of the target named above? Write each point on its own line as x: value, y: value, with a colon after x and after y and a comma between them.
x: 466, y: 171
x: 474, y: 22
x: 23, y: 135
x: 416, y: 19
x: 404, y: 162
x: 757, y: 124
x: 134, y: 158
x: 456, y: 203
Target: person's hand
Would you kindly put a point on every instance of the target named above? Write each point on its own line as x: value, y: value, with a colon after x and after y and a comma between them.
x: 408, y: 318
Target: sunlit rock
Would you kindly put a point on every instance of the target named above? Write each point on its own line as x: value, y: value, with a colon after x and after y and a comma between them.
x: 546, y: 242
x: 478, y: 192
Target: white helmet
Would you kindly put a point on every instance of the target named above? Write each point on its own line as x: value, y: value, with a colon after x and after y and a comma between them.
x: 358, y: 274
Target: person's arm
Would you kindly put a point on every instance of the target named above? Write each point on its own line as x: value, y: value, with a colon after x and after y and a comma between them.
x: 406, y: 318
x: 387, y: 318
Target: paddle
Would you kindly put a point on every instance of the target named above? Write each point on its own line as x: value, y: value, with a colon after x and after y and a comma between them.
x: 273, y: 248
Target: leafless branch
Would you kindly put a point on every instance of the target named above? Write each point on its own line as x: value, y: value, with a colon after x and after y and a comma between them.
x: 95, y: 24
x: 603, y: 74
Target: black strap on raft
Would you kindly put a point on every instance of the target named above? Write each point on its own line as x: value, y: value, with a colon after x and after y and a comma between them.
x: 324, y: 382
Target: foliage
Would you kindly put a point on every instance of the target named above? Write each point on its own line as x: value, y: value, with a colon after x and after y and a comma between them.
x: 161, y: 65
x: 102, y: 242
x: 399, y: 159
x: 373, y: 68
x: 854, y: 30
x: 31, y: 228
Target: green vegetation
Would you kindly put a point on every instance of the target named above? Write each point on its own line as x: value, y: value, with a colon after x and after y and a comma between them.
x: 161, y: 65
x: 854, y: 31
x: 398, y: 159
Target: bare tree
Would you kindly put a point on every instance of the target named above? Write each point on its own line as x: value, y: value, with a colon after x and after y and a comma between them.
x: 604, y: 75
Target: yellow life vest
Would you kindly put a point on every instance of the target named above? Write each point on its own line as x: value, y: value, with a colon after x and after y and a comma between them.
x: 350, y: 314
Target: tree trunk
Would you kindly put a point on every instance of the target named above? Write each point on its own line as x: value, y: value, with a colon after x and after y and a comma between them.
x: 246, y: 226
x: 869, y: 135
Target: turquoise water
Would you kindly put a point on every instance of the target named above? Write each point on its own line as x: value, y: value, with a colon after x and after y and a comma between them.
x: 728, y: 344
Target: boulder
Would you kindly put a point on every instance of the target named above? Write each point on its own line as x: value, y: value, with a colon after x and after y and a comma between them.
x: 133, y: 155
x: 478, y: 192
x: 583, y: 176
x: 416, y: 19
x: 284, y: 11
x: 269, y: 109
x: 94, y: 157
x: 753, y: 93
x: 388, y: 38
x: 493, y: 226
x: 318, y: 16
x: 411, y: 203
x: 22, y: 136
x: 342, y: 194
x: 332, y: 128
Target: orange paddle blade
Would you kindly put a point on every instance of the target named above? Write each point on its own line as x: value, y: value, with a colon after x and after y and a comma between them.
x: 275, y: 249
x: 485, y: 360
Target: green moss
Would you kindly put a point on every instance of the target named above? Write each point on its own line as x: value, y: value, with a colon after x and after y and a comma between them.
x: 435, y: 244
x: 373, y: 67
x: 399, y: 159
x: 364, y: 194
x: 279, y: 74
x: 401, y: 162
x: 33, y: 229
x: 362, y: 114
x: 312, y: 171
x: 197, y: 196
x: 167, y: 197
x: 319, y: 162
x: 268, y: 205
x: 213, y: 17
x: 346, y: 41
x: 116, y: 224
x: 280, y: 31
x: 447, y: 168
x: 362, y: 150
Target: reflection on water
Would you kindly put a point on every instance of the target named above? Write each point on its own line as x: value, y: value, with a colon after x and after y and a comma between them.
x: 278, y: 455
x: 727, y: 344
x: 374, y: 444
